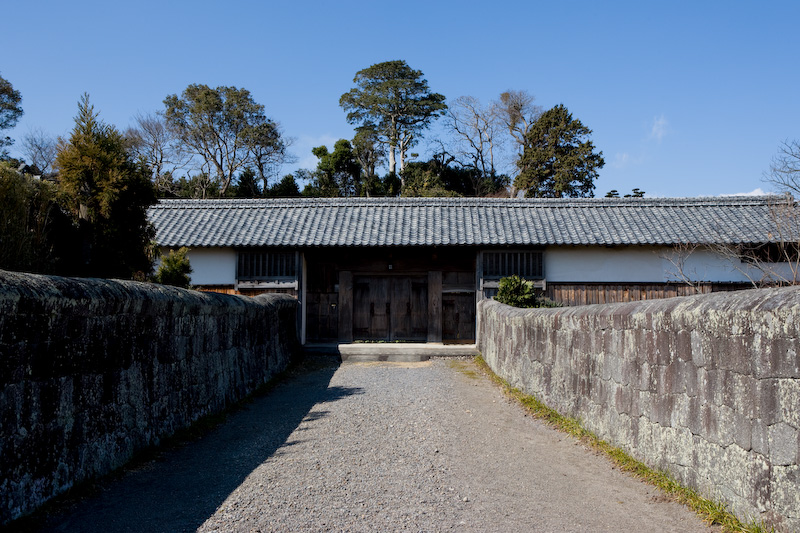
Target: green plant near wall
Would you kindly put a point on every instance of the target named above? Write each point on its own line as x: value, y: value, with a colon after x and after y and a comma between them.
x: 517, y: 292
x: 174, y: 269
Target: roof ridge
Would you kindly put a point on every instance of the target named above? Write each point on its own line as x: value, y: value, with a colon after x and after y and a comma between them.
x: 465, y: 201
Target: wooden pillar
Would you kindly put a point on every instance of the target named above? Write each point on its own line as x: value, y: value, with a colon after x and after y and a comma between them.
x: 478, y: 295
x: 302, y: 294
x: 435, y: 306
x: 345, y: 306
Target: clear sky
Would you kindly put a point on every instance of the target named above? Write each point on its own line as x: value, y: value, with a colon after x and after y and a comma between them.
x: 684, y: 98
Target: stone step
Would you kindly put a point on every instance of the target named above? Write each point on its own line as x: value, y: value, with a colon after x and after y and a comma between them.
x: 394, y: 352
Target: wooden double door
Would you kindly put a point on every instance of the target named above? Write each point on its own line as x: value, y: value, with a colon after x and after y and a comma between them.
x: 390, y: 308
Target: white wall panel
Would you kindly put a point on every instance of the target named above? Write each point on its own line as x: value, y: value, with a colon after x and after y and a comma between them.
x: 646, y: 264
x: 213, y: 266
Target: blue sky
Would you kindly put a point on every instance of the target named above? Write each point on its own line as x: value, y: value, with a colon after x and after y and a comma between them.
x: 684, y: 98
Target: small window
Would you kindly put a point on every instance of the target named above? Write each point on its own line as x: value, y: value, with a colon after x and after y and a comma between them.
x: 267, y: 265
x: 527, y: 264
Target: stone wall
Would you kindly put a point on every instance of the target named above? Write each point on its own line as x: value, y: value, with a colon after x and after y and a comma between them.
x: 706, y: 387
x: 93, y: 370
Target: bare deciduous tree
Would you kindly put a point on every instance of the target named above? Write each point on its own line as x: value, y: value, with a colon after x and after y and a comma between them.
x: 774, y: 261
x: 680, y: 270
x: 477, y: 138
x: 516, y: 110
x: 269, y: 150
x: 784, y: 172
x: 40, y: 149
x: 155, y: 144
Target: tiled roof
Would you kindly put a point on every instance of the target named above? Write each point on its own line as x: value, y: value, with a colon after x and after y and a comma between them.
x: 461, y: 221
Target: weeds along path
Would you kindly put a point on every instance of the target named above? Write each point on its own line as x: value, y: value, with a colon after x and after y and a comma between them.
x: 430, y: 446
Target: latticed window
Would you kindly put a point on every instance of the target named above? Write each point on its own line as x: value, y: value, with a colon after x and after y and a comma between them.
x: 260, y: 265
x: 526, y: 264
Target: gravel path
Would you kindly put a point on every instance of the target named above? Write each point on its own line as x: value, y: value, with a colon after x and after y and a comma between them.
x: 427, y: 446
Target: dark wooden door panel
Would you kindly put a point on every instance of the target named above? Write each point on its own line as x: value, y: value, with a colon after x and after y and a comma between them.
x: 361, y: 316
x: 419, y: 309
x: 379, y: 308
x: 458, y: 317
x: 390, y: 308
x: 401, y: 308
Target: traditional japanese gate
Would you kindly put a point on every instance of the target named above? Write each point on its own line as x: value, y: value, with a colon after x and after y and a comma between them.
x: 390, y: 308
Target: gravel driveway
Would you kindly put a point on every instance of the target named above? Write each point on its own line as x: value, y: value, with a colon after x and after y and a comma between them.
x: 430, y: 446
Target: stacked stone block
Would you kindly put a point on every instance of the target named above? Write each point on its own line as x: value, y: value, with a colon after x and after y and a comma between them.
x: 93, y: 370
x: 706, y: 387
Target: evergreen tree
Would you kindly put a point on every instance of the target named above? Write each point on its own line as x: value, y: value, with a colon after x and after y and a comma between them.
x: 558, y: 160
x: 286, y: 188
x: 10, y: 111
x: 394, y: 101
x: 175, y: 269
x: 247, y: 185
x: 108, y: 195
x: 338, y: 173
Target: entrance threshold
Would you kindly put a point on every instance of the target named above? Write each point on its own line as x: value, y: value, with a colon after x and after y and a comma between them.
x: 391, y: 351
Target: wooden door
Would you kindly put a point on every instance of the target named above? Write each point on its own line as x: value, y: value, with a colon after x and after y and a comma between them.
x: 371, y: 308
x: 419, y: 309
x: 458, y: 317
x: 390, y: 308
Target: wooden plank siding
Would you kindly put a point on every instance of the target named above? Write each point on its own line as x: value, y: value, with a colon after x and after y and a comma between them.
x: 601, y: 293
x: 243, y: 292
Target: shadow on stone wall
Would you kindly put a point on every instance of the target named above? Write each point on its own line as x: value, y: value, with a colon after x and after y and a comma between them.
x: 185, y: 487
x: 93, y: 370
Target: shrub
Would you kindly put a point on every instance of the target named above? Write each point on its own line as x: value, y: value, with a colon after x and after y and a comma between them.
x: 174, y: 269
x: 33, y: 230
x: 517, y: 292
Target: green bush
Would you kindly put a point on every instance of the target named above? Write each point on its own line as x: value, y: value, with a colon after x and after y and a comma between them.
x: 174, y: 269
x: 518, y: 292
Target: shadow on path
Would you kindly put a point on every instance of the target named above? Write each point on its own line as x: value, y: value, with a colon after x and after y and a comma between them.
x: 182, y: 489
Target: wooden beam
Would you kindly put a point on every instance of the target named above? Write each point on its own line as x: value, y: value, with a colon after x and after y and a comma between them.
x: 435, y: 306
x: 345, y: 306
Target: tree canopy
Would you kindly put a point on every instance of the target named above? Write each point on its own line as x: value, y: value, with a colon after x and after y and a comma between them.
x: 218, y: 142
x: 558, y: 159
x: 227, y: 129
x: 394, y: 101
x: 108, y: 194
x: 10, y: 110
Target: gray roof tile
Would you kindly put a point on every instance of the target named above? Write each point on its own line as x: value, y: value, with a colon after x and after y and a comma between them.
x: 461, y: 221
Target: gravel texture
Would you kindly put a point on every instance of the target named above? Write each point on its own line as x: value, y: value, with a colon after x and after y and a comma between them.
x: 430, y: 446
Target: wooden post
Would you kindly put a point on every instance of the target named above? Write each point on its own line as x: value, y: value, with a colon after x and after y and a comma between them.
x: 302, y: 293
x: 435, y: 306
x: 478, y: 295
x: 345, y: 306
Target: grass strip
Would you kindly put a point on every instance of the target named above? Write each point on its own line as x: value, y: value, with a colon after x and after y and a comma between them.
x: 712, y: 512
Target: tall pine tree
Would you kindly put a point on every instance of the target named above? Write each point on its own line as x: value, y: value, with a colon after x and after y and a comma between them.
x: 558, y: 159
x: 108, y: 195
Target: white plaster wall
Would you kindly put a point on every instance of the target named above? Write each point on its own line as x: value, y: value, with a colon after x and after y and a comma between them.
x: 646, y: 264
x: 213, y: 266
